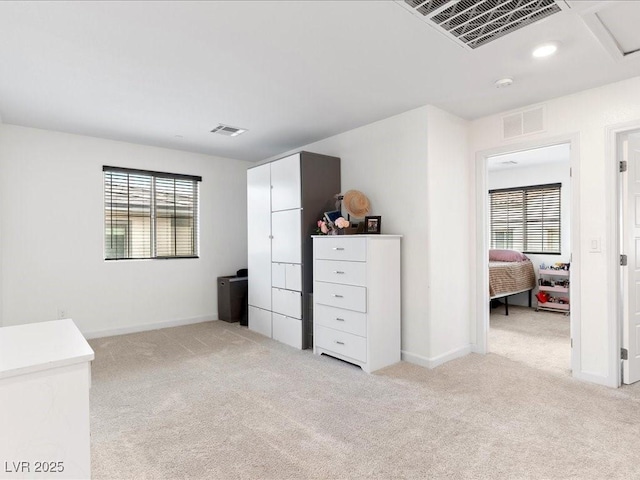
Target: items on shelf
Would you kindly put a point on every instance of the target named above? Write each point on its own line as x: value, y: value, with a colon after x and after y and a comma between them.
x: 554, y: 279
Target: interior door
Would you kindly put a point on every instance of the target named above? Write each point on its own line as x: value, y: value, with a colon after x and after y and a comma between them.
x: 259, y: 233
x: 630, y: 189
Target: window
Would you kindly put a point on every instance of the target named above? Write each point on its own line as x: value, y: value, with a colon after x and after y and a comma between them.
x: 526, y: 218
x: 149, y: 214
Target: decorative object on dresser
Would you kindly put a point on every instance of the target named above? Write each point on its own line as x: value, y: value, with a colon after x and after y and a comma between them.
x: 357, y: 299
x: 553, y: 288
x: 373, y: 225
x: 285, y: 199
x: 356, y: 204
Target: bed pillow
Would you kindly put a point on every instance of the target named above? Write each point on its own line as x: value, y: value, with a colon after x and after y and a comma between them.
x: 506, y: 256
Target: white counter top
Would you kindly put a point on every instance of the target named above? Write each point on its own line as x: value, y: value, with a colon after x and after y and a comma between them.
x: 41, y: 346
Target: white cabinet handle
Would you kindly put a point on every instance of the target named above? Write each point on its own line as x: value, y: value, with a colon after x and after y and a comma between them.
x: 338, y: 248
x: 339, y: 343
x: 340, y: 319
x: 337, y: 296
x: 338, y: 272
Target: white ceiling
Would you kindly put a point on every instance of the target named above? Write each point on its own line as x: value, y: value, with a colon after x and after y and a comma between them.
x: 291, y: 72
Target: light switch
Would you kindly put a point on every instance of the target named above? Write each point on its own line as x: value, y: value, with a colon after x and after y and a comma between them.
x: 595, y: 245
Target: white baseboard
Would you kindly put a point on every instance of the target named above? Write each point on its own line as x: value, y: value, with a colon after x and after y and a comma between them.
x: 435, y: 361
x: 110, y: 332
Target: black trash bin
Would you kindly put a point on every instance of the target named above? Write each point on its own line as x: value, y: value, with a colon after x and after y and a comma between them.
x: 232, y: 298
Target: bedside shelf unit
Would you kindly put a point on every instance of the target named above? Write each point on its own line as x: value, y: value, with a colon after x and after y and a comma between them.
x: 553, y: 306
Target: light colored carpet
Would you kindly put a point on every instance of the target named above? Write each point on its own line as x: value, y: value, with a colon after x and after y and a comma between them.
x: 215, y: 401
x: 541, y: 339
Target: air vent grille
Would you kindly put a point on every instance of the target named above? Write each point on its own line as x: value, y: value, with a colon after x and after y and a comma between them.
x: 477, y: 22
x: 523, y: 123
x: 228, y: 131
x: 426, y: 8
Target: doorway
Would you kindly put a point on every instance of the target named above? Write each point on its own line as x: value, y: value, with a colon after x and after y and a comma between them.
x: 530, y: 213
x: 481, y: 331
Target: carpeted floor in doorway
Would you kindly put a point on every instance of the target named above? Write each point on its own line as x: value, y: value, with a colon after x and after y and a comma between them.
x: 216, y: 401
x: 541, y: 340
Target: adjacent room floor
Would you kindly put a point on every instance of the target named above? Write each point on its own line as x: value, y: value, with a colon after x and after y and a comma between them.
x: 540, y: 340
x: 215, y: 400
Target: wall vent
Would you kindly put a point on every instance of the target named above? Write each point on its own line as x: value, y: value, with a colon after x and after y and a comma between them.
x: 523, y: 123
x: 473, y: 23
x: 228, y: 131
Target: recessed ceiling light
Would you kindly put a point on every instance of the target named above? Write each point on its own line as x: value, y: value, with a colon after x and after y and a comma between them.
x: 545, y: 50
x: 503, y: 82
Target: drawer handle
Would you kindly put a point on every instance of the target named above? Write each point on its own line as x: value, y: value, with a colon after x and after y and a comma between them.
x: 339, y: 343
x: 338, y: 248
x: 337, y: 296
x: 340, y: 319
x: 338, y: 272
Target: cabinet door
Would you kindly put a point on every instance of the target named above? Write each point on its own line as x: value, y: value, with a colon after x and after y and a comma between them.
x: 293, y: 277
x: 285, y: 183
x: 278, y: 275
x: 287, y: 237
x: 260, y: 321
x: 259, y: 232
x: 287, y: 302
x: 287, y: 330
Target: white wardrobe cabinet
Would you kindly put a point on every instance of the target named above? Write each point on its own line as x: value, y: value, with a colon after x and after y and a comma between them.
x: 357, y: 299
x: 285, y: 199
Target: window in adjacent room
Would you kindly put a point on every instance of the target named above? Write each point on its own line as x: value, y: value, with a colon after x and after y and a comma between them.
x: 150, y: 214
x: 526, y: 218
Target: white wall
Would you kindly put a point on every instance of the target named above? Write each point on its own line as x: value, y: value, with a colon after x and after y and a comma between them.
x: 51, y: 219
x: 540, y: 175
x: 449, y: 268
x: 418, y: 185
x: 588, y: 114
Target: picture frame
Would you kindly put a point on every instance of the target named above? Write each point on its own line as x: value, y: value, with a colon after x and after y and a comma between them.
x: 373, y: 225
x: 332, y: 216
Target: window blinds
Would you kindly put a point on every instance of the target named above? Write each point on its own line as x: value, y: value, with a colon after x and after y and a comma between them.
x: 526, y: 218
x: 150, y: 214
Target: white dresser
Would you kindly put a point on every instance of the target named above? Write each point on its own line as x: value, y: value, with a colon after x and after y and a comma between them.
x: 356, y: 297
x: 45, y: 376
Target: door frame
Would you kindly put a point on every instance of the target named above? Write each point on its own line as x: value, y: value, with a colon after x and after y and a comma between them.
x: 614, y: 135
x: 480, y: 329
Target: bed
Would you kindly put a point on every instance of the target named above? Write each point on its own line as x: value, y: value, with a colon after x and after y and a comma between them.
x: 510, y: 273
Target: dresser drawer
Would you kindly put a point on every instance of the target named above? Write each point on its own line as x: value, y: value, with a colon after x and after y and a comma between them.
x: 341, y: 296
x: 343, y: 343
x: 338, y: 271
x: 340, y: 248
x: 340, y: 319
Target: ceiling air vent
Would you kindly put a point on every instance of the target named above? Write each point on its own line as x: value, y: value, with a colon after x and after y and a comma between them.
x: 523, y: 123
x: 228, y: 131
x: 473, y: 23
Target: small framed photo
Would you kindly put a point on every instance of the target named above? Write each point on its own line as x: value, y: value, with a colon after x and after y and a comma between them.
x: 372, y: 224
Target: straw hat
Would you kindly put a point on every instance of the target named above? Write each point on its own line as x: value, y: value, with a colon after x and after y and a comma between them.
x: 356, y: 203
